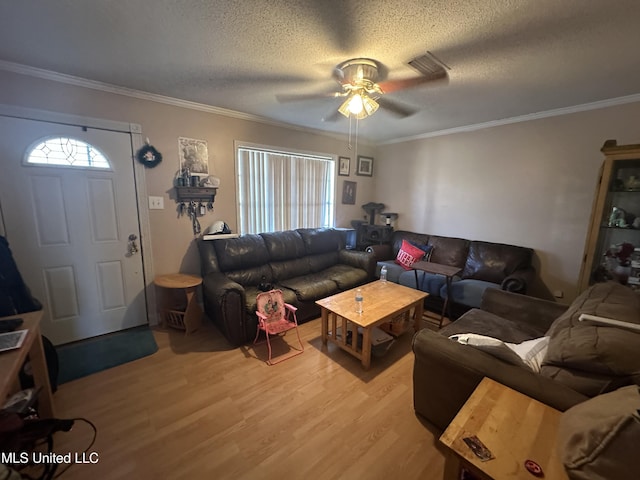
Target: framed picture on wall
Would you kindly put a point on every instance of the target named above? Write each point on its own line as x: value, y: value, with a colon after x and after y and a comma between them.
x: 194, y: 156
x: 349, y: 192
x: 344, y: 166
x: 365, y: 166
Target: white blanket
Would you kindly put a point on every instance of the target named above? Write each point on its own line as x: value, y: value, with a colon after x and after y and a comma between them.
x: 529, y: 353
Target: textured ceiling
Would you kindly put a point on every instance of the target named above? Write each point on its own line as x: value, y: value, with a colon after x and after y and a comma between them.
x: 508, y: 58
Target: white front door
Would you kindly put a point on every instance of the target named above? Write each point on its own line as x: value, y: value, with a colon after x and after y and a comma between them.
x: 69, y: 228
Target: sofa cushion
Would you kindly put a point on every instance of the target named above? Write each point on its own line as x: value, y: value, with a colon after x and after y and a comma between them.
x: 320, y: 262
x: 485, y: 323
x: 605, y: 445
x: 493, y: 262
x: 318, y: 240
x: 240, y: 253
x: 602, y: 353
x: 449, y: 250
x: 311, y: 287
x: 290, y: 268
x: 467, y: 292
x: 251, y: 276
x: 346, y: 277
x: 284, y: 245
x: 587, y: 383
x: 408, y: 255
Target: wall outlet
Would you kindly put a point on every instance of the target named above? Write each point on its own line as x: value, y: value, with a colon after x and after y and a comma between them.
x: 156, y: 203
x: 558, y: 293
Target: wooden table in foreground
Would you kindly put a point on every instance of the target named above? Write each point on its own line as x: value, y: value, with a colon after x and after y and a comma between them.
x: 11, y: 362
x: 383, y: 301
x: 513, y: 426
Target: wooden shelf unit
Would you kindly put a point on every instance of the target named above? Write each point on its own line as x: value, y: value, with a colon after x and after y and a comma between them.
x: 196, y: 194
x: 619, y: 171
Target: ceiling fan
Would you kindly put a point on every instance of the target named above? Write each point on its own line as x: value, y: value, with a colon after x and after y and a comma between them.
x: 363, y: 85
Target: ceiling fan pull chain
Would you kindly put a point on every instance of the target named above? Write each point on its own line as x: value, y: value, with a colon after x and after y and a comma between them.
x: 357, y: 123
x: 349, y: 143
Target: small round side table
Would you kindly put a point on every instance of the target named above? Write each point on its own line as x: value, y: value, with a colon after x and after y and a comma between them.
x: 180, y: 310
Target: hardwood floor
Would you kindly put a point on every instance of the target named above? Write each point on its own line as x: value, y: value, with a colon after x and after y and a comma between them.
x: 197, y: 409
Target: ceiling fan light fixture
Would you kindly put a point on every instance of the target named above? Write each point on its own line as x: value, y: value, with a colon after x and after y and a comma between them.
x: 360, y: 105
x: 344, y: 108
x: 369, y: 105
x: 355, y: 104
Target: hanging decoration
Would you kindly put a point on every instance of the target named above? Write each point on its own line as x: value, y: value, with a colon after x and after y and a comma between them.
x: 148, y: 155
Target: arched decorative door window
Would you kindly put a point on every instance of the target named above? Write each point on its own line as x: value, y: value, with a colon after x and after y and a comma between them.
x: 66, y: 152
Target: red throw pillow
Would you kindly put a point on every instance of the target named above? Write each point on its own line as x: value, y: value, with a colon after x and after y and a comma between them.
x: 408, y: 255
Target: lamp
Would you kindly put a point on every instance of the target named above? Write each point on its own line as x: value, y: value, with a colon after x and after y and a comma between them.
x: 358, y: 104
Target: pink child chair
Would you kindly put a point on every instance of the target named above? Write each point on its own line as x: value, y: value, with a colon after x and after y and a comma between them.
x: 276, y: 317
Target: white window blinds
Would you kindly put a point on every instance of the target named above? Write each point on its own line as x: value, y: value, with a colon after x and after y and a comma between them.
x: 283, y: 191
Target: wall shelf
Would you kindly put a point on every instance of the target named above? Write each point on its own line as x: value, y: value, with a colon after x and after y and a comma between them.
x: 196, y: 194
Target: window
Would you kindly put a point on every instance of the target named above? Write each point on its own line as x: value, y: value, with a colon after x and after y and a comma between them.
x: 284, y: 190
x: 67, y: 152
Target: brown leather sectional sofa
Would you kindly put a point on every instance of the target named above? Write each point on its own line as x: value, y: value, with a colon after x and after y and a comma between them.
x: 483, y: 265
x: 583, y: 359
x: 306, y: 264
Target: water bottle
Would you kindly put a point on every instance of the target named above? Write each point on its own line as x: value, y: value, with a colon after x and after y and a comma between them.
x: 359, y: 301
x: 383, y: 273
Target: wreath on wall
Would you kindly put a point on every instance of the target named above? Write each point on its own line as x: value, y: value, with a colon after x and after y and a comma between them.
x: 149, y: 156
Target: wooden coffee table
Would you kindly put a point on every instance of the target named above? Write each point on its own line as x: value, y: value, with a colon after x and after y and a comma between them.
x: 383, y: 301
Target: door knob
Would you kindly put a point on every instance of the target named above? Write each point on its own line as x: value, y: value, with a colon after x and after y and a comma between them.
x: 132, y: 248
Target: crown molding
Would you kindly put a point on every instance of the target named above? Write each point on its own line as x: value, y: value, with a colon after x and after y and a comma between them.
x: 176, y: 102
x: 522, y: 118
x: 152, y: 97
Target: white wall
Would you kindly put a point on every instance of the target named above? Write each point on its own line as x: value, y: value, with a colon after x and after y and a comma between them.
x: 530, y: 184
x: 172, y: 239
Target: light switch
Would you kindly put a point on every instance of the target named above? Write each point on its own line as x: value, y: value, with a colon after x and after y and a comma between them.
x: 156, y: 203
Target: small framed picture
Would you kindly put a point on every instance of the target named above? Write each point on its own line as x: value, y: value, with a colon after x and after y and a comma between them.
x: 365, y: 166
x: 194, y: 156
x: 349, y: 193
x: 344, y: 166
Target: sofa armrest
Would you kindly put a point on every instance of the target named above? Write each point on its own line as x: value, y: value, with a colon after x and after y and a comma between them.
x: 224, y: 303
x: 217, y: 285
x: 381, y: 252
x: 519, y: 280
x: 446, y: 373
x: 521, y: 308
x: 355, y: 258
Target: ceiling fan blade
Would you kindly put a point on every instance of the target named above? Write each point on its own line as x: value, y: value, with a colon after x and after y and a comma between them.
x: 340, y: 29
x: 395, y: 107
x: 394, y: 85
x: 333, y: 117
x: 283, y: 98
